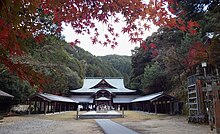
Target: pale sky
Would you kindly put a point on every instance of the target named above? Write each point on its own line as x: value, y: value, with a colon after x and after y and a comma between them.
x: 124, y: 46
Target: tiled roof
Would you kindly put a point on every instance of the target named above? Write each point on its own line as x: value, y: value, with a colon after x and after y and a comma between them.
x: 118, y: 83
x: 51, y: 97
x: 4, y: 94
x: 124, y: 98
x: 82, y: 99
x: 147, y: 97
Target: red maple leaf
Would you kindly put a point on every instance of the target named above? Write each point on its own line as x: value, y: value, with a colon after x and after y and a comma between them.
x: 106, y: 36
x: 147, y: 27
x: 81, y: 14
x: 46, y: 11
x: 116, y: 35
x: 124, y: 30
x: 196, y: 54
x: 105, y: 43
x: 116, y: 20
x: 153, y: 46
x: 191, y: 24
x: 154, y: 53
x: 144, y: 46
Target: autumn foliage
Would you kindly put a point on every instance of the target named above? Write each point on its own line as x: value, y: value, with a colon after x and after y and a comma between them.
x: 197, y: 53
x: 24, y: 19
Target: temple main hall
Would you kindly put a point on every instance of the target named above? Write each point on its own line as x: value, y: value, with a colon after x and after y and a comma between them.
x: 108, y: 92
x: 104, y: 94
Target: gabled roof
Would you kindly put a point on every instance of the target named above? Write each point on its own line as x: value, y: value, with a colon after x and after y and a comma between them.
x: 51, y: 97
x: 116, y: 82
x: 4, y: 94
x: 151, y: 97
x: 103, y: 84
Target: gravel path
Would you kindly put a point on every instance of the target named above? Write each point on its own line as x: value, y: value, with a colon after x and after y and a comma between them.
x: 33, y: 125
x: 168, y: 125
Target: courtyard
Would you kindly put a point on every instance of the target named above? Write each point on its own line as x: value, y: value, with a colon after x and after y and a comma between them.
x: 66, y: 123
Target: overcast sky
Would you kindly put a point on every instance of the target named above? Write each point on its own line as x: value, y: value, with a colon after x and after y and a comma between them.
x: 124, y: 46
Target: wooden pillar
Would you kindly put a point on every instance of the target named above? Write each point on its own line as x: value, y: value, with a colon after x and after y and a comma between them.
x: 155, y: 108
x: 110, y: 101
x: 65, y: 107
x: 123, y: 112
x: 39, y: 110
x: 95, y: 99
x: 51, y: 109
x: 35, y: 107
x: 48, y: 107
x: 77, y: 113
x: 165, y: 105
x: 60, y: 106
x: 216, y: 103
x: 54, y: 105
x: 68, y: 107
x: 45, y: 107
x: 29, y: 107
x: 171, y: 108
x: 158, y: 107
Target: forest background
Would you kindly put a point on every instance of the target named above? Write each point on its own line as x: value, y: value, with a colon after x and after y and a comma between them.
x: 161, y: 63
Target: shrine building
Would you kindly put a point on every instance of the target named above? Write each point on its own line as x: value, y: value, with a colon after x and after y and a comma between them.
x: 103, y: 94
x: 109, y: 92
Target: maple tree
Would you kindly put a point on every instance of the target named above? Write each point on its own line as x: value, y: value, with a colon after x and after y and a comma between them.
x: 204, y: 45
x: 196, y: 53
x: 24, y: 19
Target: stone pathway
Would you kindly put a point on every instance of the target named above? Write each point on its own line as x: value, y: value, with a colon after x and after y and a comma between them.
x: 110, y: 127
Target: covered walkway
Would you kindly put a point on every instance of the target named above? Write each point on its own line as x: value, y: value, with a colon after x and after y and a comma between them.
x: 5, y: 101
x: 49, y: 103
x: 156, y: 103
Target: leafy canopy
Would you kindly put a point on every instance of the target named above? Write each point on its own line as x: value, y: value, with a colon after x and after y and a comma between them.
x: 24, y: 19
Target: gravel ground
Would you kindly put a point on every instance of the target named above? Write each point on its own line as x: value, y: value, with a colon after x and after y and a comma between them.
x: 39, y: 125
x: 66, y: 124
x: 167, y: 125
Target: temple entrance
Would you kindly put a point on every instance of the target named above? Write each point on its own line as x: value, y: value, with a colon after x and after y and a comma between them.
x: 103, y: 104
x: 103, y: 100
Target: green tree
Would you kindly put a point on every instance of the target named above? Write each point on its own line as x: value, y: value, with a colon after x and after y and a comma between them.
x: 155, y: 79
